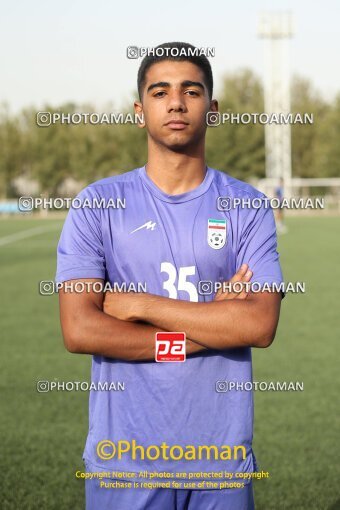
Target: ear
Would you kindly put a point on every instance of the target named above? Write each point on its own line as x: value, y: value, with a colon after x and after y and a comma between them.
x: 139, y: 111
x: 214, y: 105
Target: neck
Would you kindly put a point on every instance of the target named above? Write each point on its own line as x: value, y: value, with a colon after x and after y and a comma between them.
x: 176, y: 173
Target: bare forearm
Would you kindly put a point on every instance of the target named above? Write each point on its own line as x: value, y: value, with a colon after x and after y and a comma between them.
x: 100, y: 334
x: 217, y: 324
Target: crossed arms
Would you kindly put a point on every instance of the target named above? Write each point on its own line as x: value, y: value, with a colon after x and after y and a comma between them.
x: 123, y: 325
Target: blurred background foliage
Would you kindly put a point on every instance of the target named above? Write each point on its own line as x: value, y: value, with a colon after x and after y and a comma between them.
x: 87, y: 152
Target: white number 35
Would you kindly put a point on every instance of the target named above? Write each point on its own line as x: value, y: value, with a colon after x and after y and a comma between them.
x: 183, y: 284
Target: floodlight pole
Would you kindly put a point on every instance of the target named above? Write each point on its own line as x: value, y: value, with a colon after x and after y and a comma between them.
x: 276, y: 29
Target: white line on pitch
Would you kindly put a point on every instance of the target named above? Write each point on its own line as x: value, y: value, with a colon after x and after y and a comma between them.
x: 24, y: 234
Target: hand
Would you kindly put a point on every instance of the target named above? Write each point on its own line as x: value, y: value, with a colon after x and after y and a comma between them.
x: 123, y: 305
x: 243, y: 275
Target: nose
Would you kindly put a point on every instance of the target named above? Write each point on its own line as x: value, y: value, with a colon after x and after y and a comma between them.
x: 176, y: 102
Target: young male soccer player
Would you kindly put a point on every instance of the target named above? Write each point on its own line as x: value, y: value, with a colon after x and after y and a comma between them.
x: 170, y: 235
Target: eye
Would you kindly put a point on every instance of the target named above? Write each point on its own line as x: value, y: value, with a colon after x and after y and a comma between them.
x: 192, y: 93
x: 159, y: 94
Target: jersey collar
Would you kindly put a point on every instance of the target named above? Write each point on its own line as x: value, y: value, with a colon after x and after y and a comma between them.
x: 182, y: 197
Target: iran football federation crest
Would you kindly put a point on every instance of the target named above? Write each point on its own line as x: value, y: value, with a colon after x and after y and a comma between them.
x: 217, y: 233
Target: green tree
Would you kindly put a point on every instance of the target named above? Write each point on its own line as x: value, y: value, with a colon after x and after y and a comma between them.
x: 307, y: 139
x: 238, y: 149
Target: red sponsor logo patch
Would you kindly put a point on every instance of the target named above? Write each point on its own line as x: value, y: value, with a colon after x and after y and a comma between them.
x: 170, y: 346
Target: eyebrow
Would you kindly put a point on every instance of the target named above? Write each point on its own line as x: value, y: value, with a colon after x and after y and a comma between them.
x: 186, y: 83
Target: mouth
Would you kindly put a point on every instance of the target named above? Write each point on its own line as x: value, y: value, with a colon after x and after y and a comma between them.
x: 176, y: 124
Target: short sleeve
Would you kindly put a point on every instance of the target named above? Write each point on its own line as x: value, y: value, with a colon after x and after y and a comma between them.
x: 80, y: 252
x: 258, y: 246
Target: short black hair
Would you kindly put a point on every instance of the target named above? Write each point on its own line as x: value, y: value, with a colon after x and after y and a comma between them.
x: 182, y: 55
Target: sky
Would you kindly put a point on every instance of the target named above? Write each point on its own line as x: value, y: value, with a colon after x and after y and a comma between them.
x: 52, y: 52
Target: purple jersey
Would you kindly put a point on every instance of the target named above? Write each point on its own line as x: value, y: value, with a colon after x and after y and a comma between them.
x: 170, y: 243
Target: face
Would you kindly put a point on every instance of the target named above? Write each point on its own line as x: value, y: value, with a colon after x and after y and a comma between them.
x: 175, y: 102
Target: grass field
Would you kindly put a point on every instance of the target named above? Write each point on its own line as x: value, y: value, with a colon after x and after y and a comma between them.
x: 296, y: 433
